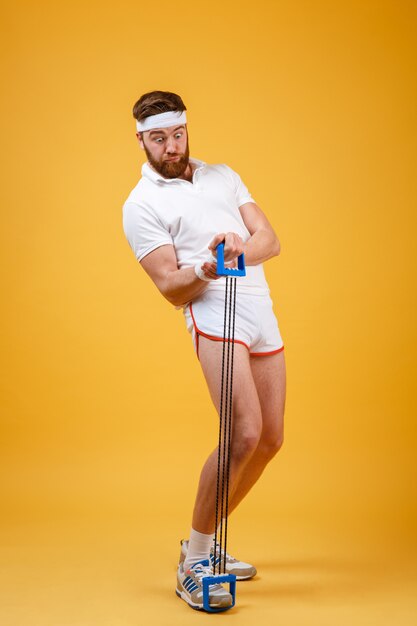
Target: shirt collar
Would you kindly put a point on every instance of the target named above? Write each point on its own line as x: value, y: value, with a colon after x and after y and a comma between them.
x: 150, y: 173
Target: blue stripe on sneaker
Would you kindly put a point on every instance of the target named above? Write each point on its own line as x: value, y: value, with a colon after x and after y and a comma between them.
x: 218, y: 556
x: 190, y: 586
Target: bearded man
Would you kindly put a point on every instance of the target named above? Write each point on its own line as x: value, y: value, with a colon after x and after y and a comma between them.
x: 174, y: 219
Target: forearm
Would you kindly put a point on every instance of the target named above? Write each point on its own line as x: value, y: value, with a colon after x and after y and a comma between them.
x: 263, y: 245
x: 183, y: 285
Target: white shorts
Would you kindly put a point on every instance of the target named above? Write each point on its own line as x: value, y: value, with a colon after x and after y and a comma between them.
x: 256, y: 326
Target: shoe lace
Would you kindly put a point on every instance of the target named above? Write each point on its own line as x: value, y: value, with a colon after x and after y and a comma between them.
x: 203, y: 570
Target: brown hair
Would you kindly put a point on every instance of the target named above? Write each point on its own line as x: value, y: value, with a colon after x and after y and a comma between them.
x: 156, y: 102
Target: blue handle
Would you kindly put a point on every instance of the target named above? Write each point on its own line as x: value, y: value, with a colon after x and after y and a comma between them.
x: 214, y: 580
x: 228, y: 271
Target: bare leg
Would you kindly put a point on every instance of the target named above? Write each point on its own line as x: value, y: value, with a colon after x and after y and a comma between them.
x: 270, y: 379
x: 246, y: 429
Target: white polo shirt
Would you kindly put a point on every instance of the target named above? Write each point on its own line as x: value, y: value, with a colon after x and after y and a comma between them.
x: 188, y: 215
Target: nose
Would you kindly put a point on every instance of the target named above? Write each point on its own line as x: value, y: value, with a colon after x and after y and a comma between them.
x: 171, y: 146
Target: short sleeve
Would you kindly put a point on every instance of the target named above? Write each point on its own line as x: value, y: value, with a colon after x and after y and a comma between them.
x: 241, y: 191
x: 143, y: 229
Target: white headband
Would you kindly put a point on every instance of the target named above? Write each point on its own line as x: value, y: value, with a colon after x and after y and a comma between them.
x: 162, y: 120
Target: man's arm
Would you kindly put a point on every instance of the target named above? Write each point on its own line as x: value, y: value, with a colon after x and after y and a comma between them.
x: 177, y: 286
x: 262, y: 245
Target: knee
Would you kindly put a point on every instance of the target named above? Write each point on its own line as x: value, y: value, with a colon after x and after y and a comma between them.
x: 245, y: 445
x: 270, y: 445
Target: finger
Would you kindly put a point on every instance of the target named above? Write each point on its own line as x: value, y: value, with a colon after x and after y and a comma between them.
x: 210, y: 270
x: 216, y: 240
x: 237, y: 243
x: 233, y: 246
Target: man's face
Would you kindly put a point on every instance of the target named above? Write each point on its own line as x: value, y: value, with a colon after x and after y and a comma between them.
x: 167, y: 150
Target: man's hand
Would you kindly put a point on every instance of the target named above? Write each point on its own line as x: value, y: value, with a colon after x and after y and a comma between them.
x: 233, y: 246
x: 210, y: 270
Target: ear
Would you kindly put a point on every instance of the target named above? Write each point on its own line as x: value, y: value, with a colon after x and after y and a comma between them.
x: 138, y: 135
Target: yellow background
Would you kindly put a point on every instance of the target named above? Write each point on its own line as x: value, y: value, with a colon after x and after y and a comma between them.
x: 105, y: 417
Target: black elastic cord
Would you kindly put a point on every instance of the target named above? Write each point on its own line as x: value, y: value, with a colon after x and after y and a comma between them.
x: 222, y: 562
x: 224, y: 417
x: 228, y: 408
x: 225, y: 428
x: 229, y: 418
x: 220, y: 430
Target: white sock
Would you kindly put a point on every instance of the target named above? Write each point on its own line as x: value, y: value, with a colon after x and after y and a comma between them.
x: 198, y: 548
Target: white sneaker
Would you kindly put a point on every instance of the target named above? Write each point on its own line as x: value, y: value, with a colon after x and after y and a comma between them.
x: 242, y: 571
x: 190, y: 587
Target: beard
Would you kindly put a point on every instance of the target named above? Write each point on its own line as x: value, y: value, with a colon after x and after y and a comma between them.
x: 170, y: 169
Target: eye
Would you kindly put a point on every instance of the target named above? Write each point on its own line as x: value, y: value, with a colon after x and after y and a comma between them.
x: 158, y: 139
x: 178, y: 135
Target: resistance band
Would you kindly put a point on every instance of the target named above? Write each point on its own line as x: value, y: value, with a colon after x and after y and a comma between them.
x: 225, y: 430
x: 225, y: 426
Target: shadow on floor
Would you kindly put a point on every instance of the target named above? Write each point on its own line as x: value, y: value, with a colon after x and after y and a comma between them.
x: 324, y: 577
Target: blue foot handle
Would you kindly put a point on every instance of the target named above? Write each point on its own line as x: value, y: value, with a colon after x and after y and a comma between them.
x: 228, y: 271
x: 214, y: 580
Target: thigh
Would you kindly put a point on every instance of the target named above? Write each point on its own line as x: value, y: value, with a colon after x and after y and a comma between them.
x: 269, y: 375
x: 246, y: 406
